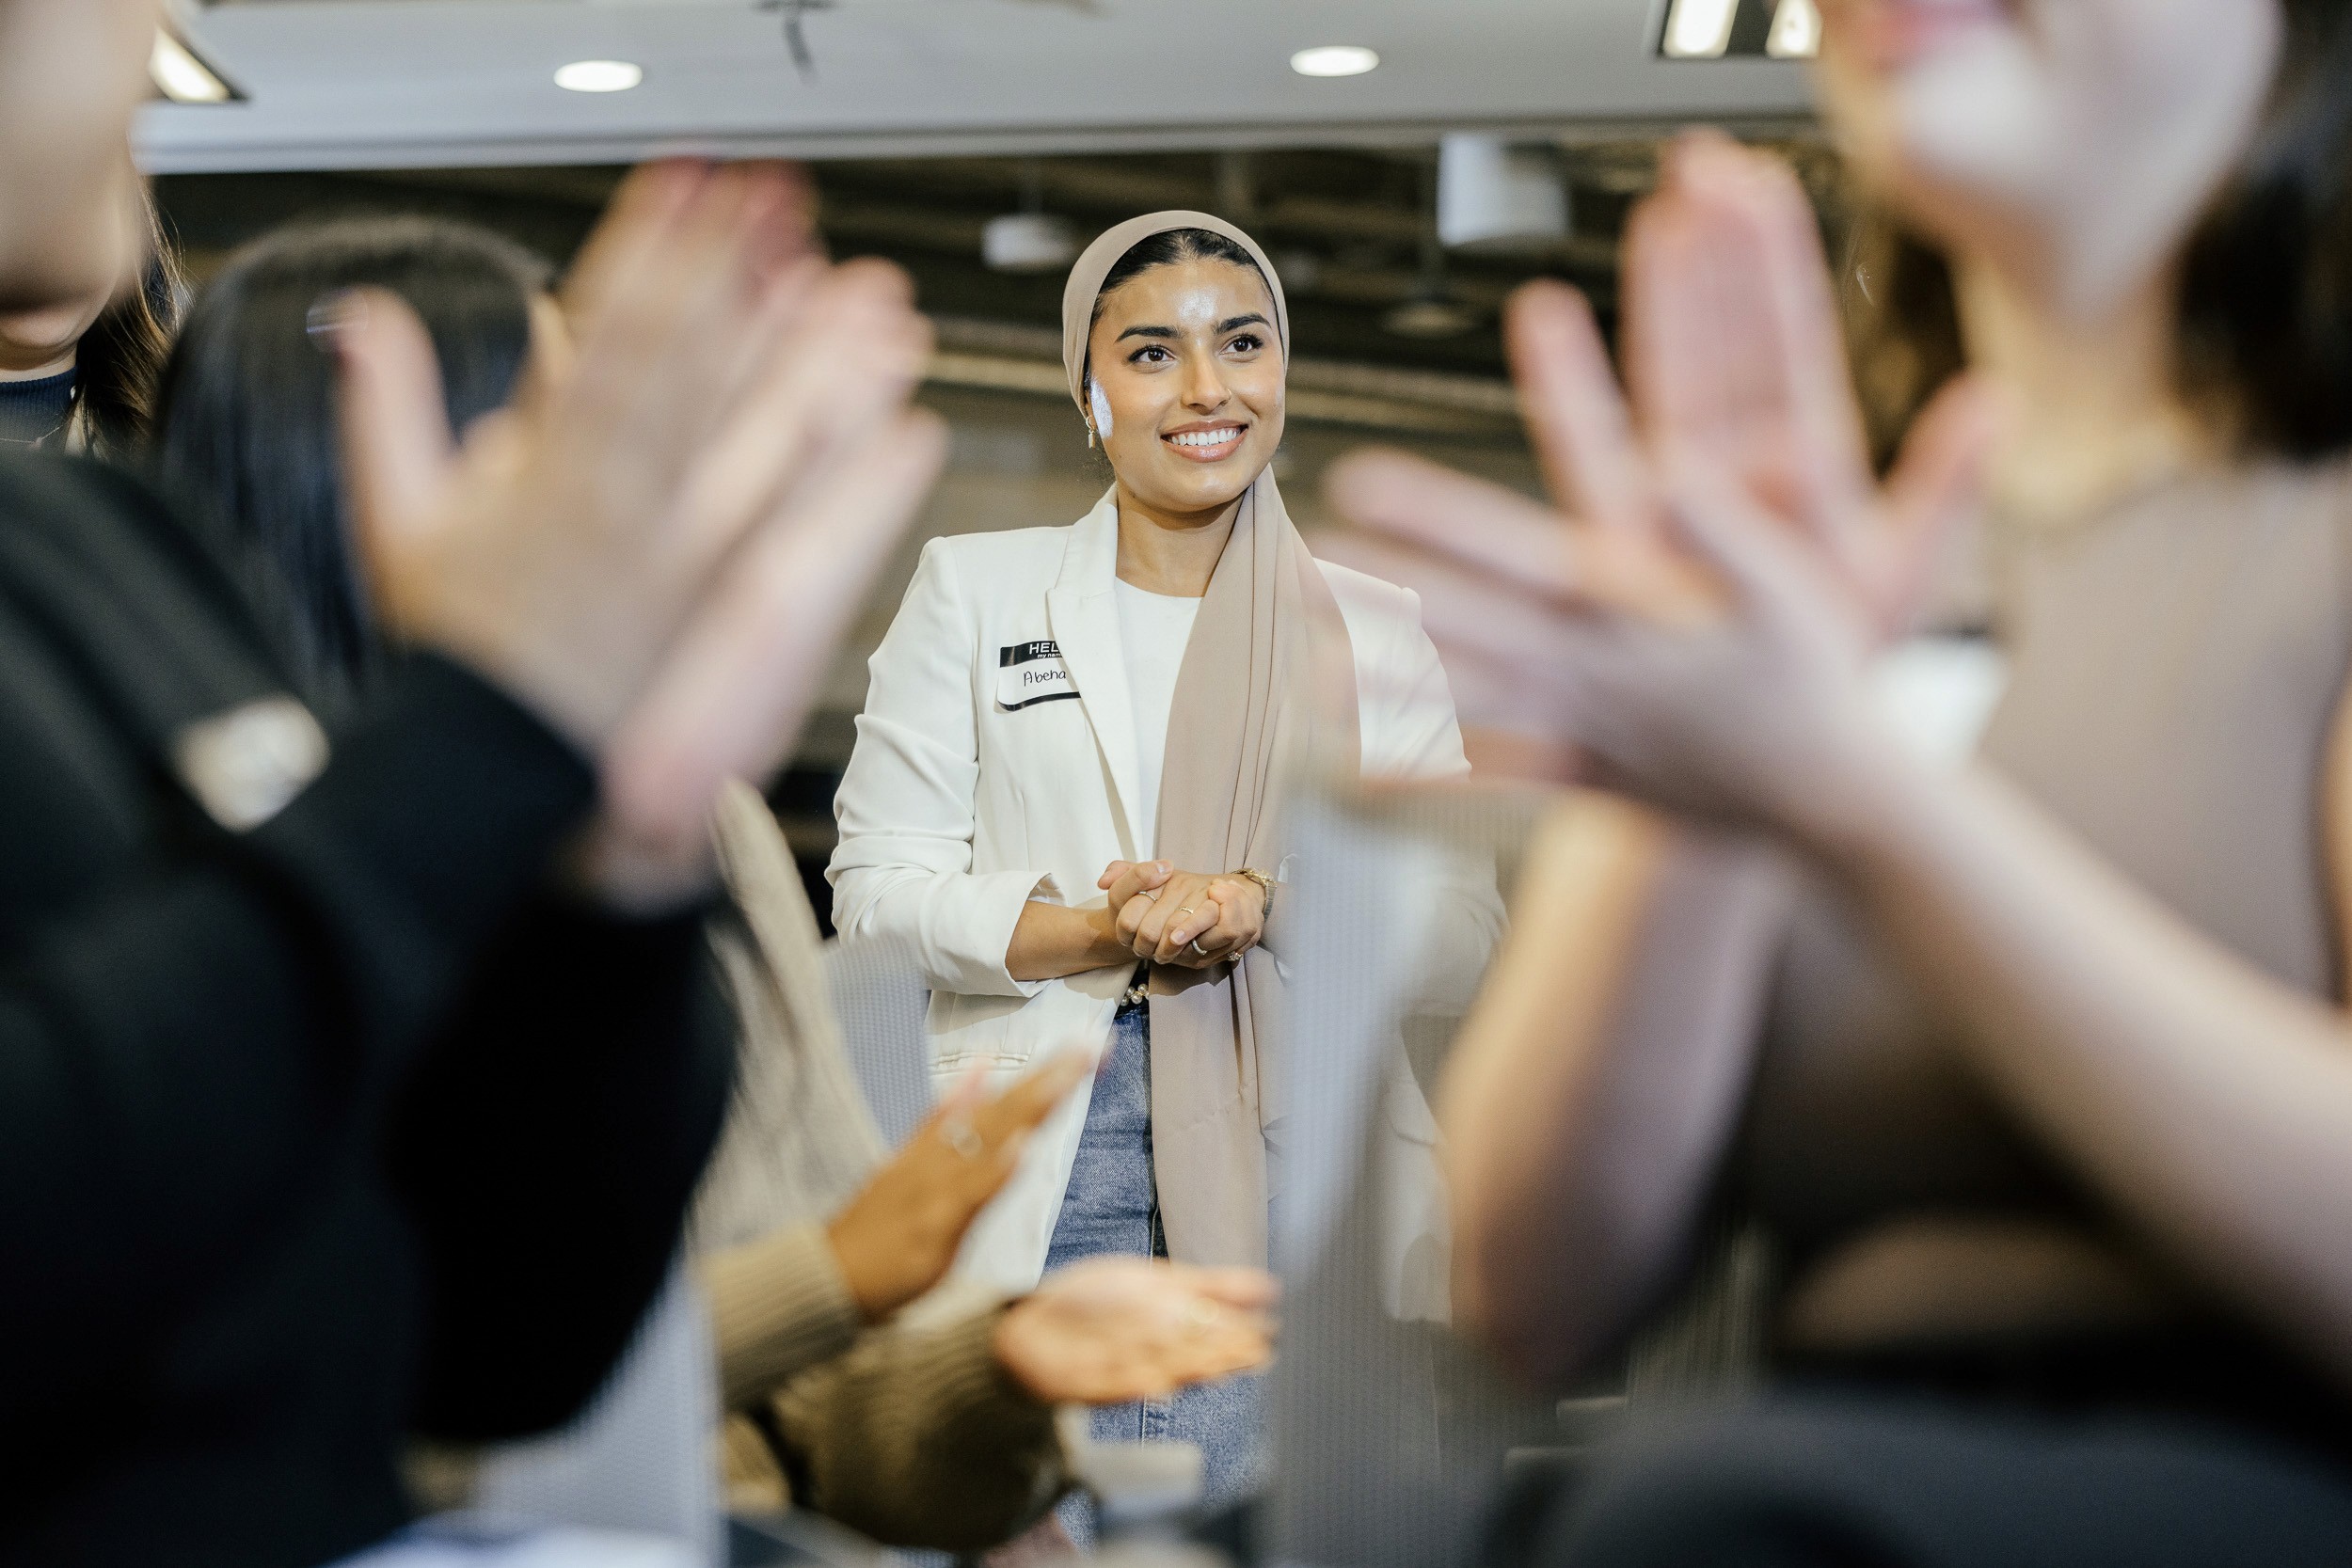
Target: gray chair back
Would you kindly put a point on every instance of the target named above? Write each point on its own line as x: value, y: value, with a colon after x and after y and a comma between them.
x: 880, y: 1000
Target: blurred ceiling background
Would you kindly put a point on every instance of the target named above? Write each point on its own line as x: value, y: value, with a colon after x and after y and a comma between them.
x: 978, y: 143
x: 1351, y: 230
x: 926, y: 121
x: 439, y: 83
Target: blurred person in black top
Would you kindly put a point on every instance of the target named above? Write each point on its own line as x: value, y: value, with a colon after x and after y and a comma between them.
x: 79, y: 375
x: 250, y: 962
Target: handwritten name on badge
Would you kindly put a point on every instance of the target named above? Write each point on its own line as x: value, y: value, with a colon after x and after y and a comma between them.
x: 1032, y: 672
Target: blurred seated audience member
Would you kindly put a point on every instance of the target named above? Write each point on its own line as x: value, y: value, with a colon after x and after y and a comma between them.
x: 358, y: 1074
x: 936, y: 1428
x: 81, y: 374
x: 244, y: 437
x: 2040, y: 1076
x: 937, y: 1434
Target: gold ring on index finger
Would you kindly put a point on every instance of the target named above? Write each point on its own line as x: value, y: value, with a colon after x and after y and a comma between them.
x: 963, y: 1137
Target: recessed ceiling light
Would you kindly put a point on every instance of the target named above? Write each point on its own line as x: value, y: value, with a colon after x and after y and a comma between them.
x: 1796, y: 31
x: 1334, y: 59
x: 599, y: 76
x: 180, y: 76
x: 1699, y: 29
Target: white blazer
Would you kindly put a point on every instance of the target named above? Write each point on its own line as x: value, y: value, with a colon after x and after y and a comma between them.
x: 995, y: 764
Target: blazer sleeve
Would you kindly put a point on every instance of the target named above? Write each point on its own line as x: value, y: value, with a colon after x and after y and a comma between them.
x: 906, y: 808
x: 1417, y: 736
x: 1415, y: 733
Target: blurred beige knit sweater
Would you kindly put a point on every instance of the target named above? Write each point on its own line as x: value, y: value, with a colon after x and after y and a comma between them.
x: 910, y: 1431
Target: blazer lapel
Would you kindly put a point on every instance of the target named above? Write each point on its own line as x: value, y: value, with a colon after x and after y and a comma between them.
x: 1083, y: 611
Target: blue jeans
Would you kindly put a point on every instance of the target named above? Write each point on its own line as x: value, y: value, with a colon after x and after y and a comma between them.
x: 1112, y: 1207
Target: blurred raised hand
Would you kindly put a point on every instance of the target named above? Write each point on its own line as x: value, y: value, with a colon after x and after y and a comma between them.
x: 1112, y: 1329
x: 897, y: 1237
x: 1737, y: 396
x: 657, y: 546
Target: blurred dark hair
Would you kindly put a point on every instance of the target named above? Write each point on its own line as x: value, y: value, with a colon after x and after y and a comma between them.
x: 1169, y: 248
x: 2265, y: 334
x: 119, y: 360
x: 245, y: 423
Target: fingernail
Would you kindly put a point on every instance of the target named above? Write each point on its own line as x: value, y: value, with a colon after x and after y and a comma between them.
x: 332, y: 314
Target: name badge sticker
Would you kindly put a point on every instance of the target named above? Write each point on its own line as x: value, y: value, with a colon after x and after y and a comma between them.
x: 1028, y: 673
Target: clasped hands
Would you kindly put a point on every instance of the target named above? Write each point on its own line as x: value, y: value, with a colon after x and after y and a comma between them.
x: 1192, y: 919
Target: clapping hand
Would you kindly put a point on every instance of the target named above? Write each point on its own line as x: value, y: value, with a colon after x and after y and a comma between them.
x: 656, y: 546
x: 896, y: 1238
x: 1112, y: 1329
x: 1695, y: 616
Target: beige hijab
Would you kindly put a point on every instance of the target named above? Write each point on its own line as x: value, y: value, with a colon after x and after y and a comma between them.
x: 1267, y: 683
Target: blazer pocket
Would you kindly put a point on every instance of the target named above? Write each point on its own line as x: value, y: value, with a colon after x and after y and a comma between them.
x: 976, y: 1031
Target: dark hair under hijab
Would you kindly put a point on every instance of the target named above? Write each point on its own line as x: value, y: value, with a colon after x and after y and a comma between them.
x: 2265, y: 332
x: 1166, y: 249
x: 245, y: 423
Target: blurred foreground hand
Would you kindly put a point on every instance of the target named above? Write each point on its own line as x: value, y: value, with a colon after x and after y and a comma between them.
x: 897, y: 1237
x: 1740, y: 420
x: 655, y: 547
x: 1112, y: 1329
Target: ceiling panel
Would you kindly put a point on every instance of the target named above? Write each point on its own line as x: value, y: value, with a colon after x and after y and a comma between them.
x: 413, y: 83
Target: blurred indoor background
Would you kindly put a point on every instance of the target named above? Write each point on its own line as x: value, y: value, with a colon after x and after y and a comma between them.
x: 1405, y: 165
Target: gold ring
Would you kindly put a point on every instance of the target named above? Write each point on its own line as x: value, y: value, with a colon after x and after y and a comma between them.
x: 1186, y: 910
x: 963, y: 1137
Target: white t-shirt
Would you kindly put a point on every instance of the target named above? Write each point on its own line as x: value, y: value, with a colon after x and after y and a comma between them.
x: 1153, y: 630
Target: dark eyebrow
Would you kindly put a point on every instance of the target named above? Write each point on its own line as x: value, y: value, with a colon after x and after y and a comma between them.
x: 1225, y: 326
x: 1147, y: 332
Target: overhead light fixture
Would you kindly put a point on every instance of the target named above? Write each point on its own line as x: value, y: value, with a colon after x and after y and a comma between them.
x: 1796, y: 33
x: 1029, y: 241
x: 1032, y: 239
x: 1493, y: 196
x: 598, y: 76
x: 1335, y: 59
x: 1429, y: 317
x: 1699, y: 29
x: 183, y: 78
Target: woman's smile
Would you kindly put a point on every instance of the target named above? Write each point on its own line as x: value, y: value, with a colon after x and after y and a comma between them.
x: 1207, y: 440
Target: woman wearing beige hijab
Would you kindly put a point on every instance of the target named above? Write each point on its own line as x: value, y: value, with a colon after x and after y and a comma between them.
x: 1063, y: 795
